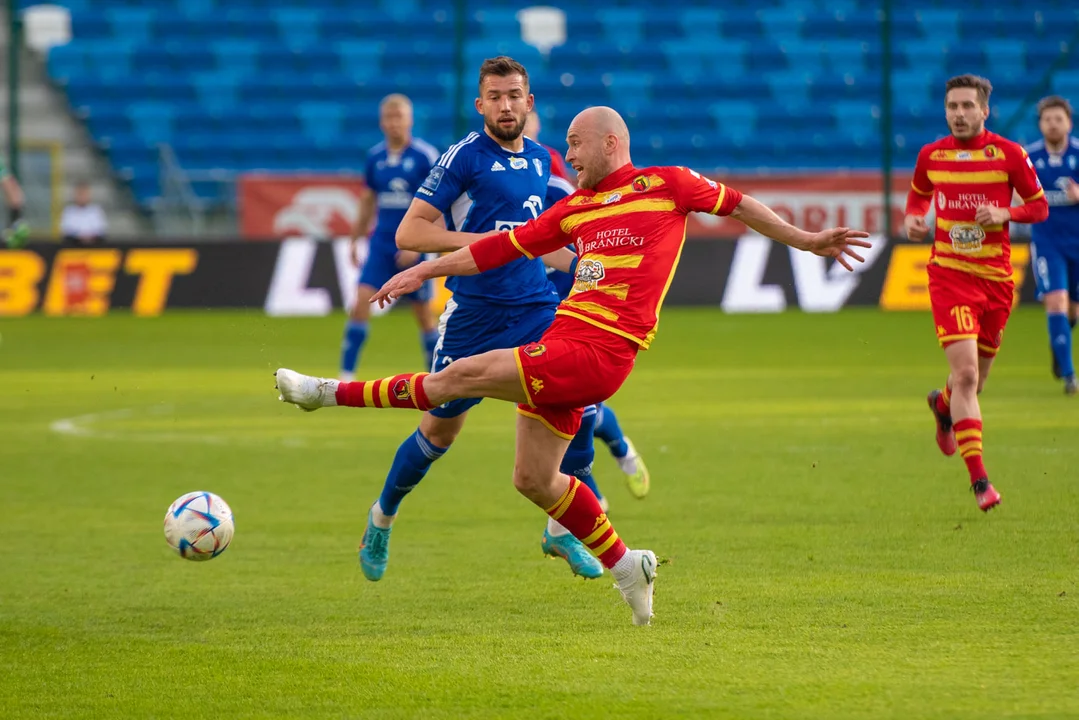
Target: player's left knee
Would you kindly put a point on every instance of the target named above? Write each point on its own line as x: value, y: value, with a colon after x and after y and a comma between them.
x: 532, y: 485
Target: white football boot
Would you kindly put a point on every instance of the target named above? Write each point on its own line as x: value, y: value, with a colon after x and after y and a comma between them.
x: 305, y: 392
x: 637, y: 587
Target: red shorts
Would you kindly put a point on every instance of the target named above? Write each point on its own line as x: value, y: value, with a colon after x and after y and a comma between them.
x: 573, y: 365
x: 967, y: 307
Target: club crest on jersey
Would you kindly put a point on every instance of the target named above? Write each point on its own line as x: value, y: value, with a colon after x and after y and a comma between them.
x: 589, y: 273
x: 538, y: 165
x: 967, y: 237
x: 641, y: 183
x: 518, y: 163
x: 534, y: 350
x: 408, y: 164
x: 401, y: 390
x: 990, y: 151
x: 613, y: 197
x: 434, y: 178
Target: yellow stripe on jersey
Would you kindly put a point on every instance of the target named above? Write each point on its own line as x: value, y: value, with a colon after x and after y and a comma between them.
x: 991, y: 250
x: 967, y: 177
x: 618, y: 290
x: 949, y: 224
x: 570, y: 222
x: 654, y: 181
x: 601, y: 326
x: 1035, y: 196
x: 611, y: 262
x: 670, y: 278
x: 719, y: 203
x: 513, y: 239
x: 956, y: 154
x: 989, y: 272
x: 592, y: 309
x: 918, y: 190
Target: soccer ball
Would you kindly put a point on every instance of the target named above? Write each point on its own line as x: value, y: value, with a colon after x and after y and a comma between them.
x: 199, y: 525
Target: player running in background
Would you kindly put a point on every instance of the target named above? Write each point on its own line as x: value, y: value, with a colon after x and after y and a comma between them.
x: 1055, y: 247
x: 395, y: 168
x: 970, y: 175
x: 17, y: 232
x: 628, y: 225
x: 607, y: 427
x: 491, y: 180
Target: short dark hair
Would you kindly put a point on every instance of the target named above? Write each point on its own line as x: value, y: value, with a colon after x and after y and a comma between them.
x: 502, y: 66
x: 1054, y: 101
x: 982, y: 85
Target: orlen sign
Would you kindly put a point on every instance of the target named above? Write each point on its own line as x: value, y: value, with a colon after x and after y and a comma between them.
x: 273, y: 206
x: 813, y: 202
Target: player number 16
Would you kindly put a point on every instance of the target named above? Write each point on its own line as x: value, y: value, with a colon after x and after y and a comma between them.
x: 964, y: 318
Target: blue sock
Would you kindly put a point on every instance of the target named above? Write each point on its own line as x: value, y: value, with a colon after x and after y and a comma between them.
x: 429, y: 340
x: 355, y: 336
x: 1060, y: 337
x: 410, y: 464
x: 581, y: 452
x: 608, y: 430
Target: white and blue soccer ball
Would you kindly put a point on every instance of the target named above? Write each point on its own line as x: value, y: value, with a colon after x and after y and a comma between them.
x: 199, y: 525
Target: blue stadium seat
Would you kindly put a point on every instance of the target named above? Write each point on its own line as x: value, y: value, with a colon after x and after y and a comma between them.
x: 785, y: 83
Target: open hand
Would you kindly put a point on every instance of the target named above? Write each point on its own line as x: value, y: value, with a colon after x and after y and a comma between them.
x: 837, y: 243
x: 403, y: 283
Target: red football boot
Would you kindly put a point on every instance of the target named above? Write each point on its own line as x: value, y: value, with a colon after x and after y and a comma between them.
x: 986, y: 495
x: 945, y: 434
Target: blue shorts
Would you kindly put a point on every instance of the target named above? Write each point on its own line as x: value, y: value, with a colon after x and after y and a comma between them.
x: 381, y: 265
x: 467, y: 330
x: 1055, y: 268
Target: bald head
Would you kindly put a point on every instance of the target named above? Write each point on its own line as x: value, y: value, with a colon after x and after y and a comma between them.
x: 598, y: 145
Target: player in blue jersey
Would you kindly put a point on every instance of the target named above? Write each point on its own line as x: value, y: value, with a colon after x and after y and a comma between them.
x: 395, y: 169
x: 490, y: 180
x: 1055, y: 247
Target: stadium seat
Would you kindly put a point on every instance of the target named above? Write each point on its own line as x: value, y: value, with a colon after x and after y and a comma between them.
x: 780, y: 79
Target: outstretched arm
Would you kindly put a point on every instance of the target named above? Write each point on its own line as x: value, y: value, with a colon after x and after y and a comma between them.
x: 833, y: 242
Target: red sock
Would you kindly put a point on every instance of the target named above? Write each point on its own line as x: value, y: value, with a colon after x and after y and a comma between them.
x: 944, y: 400
x: 579, y: 512
x: 399, y: 391
x: 968, y: 433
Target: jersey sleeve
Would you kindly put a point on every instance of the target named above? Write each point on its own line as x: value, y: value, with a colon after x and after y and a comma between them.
x: 369, y: 171
x: 694, y: 193
x: 535, y: 238
x: 1024, y: 178
x: 920, y: 183
x: 446, y: 181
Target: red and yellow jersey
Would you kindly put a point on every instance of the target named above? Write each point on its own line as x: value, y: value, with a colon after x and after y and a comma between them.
x: 960, y: 176
x: 628, y: 232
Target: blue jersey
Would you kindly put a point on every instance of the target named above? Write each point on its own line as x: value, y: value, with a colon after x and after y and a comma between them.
x: 480, y: 187
x: 556, y: 190
x: 394, y: 178
x: 1054, y: 172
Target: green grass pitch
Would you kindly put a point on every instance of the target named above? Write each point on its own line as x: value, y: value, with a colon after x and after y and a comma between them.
x: 822, y: 559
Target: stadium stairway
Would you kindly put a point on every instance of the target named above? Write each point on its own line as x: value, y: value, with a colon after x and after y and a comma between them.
x: 46, y: 119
